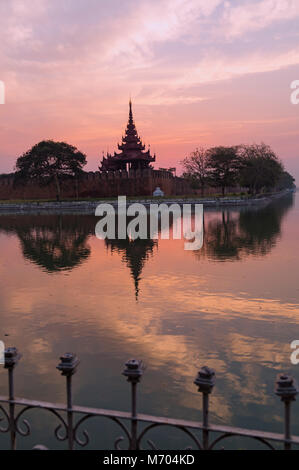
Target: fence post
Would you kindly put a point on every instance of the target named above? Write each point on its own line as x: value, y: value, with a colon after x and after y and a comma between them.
x: 205, y: 382
x: 286, y: 389
x: 133, y: 372
x: 68, y: 367
x: 11, y: 359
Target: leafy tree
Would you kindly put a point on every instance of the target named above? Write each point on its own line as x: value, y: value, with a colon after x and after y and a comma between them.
x: 197, y: 168
x: 255, y: 167
x: 50, y: 161
x: 259, y: 168
x: 286, y: 181
x: 223, y: 165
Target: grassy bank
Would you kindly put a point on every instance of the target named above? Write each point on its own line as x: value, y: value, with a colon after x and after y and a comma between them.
x: 143, y: 198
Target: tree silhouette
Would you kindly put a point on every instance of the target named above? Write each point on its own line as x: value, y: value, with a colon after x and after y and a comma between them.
x: 50, y: 161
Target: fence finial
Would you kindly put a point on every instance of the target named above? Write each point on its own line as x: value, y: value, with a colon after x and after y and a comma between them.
x: 134, y: 370
x: 286, y: 387
x: 11, y: 357
x: 205, y: 379
x: 68, y: 365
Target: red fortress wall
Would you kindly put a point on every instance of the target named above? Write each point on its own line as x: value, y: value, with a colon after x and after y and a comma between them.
x: 95, y: 184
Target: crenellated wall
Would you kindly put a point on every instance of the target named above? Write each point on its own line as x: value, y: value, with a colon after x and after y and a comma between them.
x: 96, y: 184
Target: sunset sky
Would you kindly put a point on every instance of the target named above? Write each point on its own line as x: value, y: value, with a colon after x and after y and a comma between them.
x: 199, y: 73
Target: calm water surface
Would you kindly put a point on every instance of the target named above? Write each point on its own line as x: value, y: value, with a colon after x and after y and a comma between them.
x: 233, y: 305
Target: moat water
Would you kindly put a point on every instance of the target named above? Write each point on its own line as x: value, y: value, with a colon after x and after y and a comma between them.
x: 233, y: 305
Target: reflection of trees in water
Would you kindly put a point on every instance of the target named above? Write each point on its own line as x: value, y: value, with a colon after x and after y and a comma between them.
x: 134, y: 254
x: 59, y: 242
x: 253, y: 231
x: 53, y: 242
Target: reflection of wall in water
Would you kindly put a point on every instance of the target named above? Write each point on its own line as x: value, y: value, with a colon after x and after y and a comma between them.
x: 59, y: 242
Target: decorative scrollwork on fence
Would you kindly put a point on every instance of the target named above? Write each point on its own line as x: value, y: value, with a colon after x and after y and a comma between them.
x: 84, y: 442
x: 231, y: 434
x: 62, y: 425
x: 177, y: 426
x: 6, y: 418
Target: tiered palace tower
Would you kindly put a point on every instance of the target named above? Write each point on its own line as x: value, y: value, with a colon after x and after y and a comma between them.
x: 133, y: 155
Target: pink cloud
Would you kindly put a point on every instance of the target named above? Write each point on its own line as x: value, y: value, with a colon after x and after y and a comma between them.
x: 70, y: 67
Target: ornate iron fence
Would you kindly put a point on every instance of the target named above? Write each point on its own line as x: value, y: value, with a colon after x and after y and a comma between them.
x: 71, y: 418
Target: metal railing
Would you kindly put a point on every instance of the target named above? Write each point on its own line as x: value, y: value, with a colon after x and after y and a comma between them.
x: 71, y: 417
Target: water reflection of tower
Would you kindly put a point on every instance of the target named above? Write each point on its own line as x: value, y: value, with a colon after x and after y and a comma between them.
x: 134, y: 254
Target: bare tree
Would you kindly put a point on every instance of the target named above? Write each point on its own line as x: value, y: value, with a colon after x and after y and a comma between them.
x: 196, y: 168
